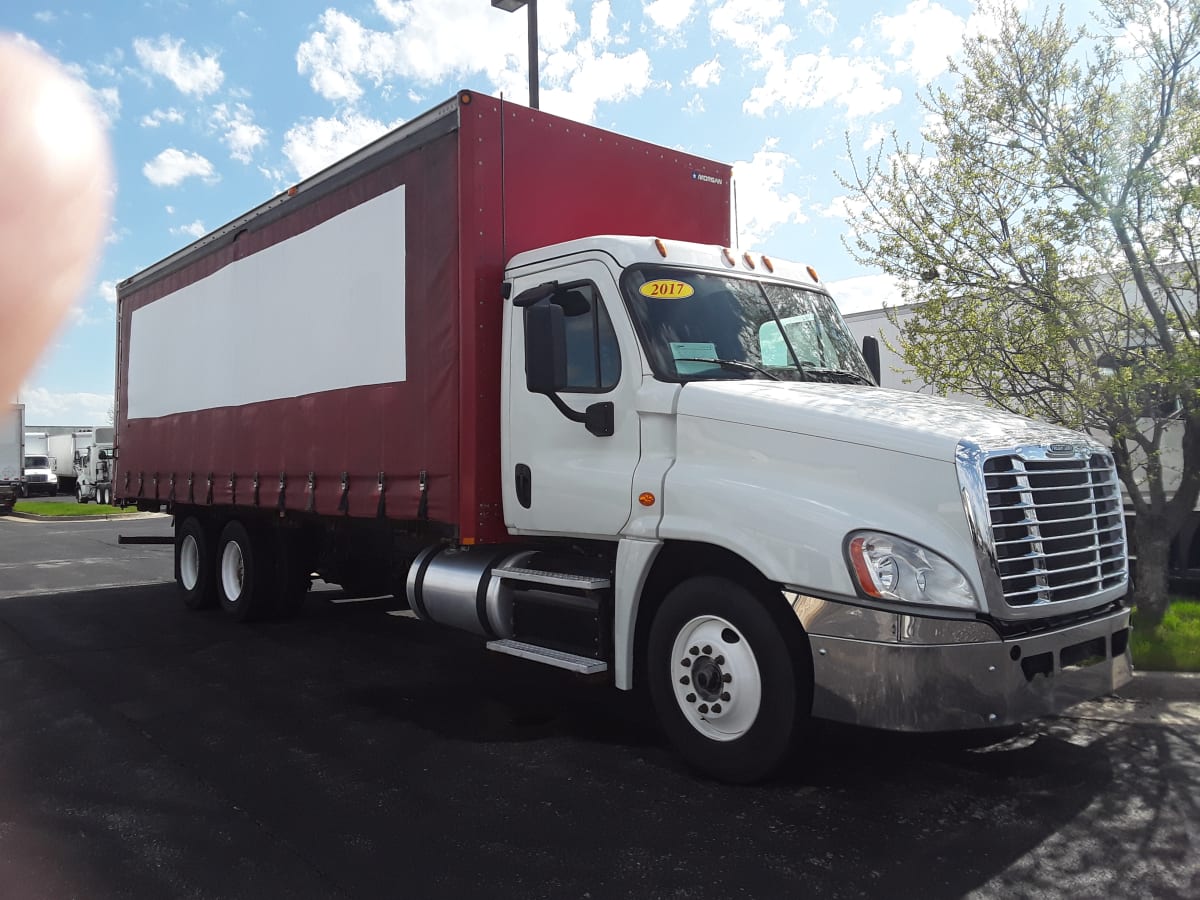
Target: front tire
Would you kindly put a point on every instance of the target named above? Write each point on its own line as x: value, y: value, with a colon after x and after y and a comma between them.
x: 730, y: 678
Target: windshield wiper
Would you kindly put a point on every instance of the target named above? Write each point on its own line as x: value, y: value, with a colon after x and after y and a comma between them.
x: 729, y: 364
x: 821, y: 372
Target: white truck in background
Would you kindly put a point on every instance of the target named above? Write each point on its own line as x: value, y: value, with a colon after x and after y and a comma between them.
x: 93, y: 470
x: 66, y: 451
x: 40, y: 477
x: 12, y: 455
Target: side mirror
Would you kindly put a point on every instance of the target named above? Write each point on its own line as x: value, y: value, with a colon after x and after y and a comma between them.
x: 545, y: 343
x: 870, y: 351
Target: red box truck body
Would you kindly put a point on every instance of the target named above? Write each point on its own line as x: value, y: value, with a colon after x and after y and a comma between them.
x: 337, y: 349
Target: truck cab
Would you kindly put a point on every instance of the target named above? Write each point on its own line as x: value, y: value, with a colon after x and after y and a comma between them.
x: 93, y: 473
x: 40, y: 478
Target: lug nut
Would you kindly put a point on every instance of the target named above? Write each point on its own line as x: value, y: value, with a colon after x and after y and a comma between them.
x: 720, y: 660
x: 690, y: 698
x: 685, y: 662
x: 707, y: 650
x: 685, y: 680
x: 725, y: 696
x: 695, y: 651
x: 727, y: 678
x: 703, y: 707
x: 716, y: 707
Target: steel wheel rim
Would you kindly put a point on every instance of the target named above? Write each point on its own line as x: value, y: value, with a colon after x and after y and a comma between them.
x: 716, y: 678
x: 233, y: 571
x: 189, y: 562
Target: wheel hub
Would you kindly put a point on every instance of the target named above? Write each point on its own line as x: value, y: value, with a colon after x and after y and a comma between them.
x: 716, y: 678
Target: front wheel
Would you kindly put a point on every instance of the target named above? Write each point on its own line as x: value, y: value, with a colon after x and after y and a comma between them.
x: 730, y: 678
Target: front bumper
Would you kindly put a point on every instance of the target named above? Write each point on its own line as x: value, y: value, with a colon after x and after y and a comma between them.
x: 975, y: 680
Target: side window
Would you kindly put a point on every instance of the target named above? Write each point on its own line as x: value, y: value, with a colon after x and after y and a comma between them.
x: 593, y: 360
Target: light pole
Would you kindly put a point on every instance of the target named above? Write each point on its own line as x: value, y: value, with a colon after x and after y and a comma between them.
x: 513, y: 6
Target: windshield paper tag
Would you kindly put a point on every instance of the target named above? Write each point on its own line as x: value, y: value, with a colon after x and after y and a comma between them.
x: 666, y: 289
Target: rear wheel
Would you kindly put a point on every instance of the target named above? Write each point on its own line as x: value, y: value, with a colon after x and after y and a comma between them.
x: 193, y: 564
x: 731, y: 687
x: 244, y: 567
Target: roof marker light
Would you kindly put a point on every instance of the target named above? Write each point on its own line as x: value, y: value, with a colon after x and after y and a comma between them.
x: 661, y: 247
x: 748, y: 259
x: 812, y: 273
x: 728, y: 254
x: 770, y: 266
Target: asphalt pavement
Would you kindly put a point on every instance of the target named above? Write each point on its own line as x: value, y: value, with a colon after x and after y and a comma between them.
x: 148, y: 751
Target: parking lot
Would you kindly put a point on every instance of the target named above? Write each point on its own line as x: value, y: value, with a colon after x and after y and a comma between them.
x: 147, y: 751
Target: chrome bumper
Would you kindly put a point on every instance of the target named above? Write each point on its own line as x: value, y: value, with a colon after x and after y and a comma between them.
x: 969, y: 682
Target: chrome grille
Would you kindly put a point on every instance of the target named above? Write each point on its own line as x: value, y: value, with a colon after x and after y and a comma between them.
x: 1057, y: 529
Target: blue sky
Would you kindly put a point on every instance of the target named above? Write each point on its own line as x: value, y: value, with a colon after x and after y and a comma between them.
x: 213, y: 107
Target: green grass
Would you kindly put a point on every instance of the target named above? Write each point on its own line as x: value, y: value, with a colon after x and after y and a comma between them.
x: 1174, y: 646
x: 49, y: 508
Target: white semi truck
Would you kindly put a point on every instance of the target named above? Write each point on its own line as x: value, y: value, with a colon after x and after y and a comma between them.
x: 510, y: 368
x: 40, y: 477
x: 93, y: 470
x: 12, y: 455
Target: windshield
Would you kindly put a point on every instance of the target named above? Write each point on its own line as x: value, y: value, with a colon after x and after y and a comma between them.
x: 710, y: 325
x: 37, y: 462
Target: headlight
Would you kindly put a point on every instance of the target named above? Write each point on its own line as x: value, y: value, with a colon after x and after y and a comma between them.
x: 890, y: 568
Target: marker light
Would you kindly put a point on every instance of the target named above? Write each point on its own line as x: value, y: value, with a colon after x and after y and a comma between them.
x: 748, y: 260
x: 646, y: 498
x: 812, y: 273
x: 661, y: 247
x: 770, y: 265
x: 728, y: 254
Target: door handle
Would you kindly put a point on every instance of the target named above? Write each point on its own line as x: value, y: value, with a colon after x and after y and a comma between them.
x: 524, y: 481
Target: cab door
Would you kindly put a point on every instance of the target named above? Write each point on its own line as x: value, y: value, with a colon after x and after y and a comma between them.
x: 569, y: 453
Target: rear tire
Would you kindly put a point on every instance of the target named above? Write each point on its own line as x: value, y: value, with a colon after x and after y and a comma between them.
x: 730, y: 678
x: 244, y: 567
x: 193, y: 565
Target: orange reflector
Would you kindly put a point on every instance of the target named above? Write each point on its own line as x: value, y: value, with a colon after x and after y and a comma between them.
x: 812, y: 273
x: 770, y: 265
x: 748, y: 259
x: 292, y: 191
x: 467, y: 542
x: 646, y: 498
x: 862, y: 568
x: 464, y: 98
x: 661, y: 247
x: 728, y: 255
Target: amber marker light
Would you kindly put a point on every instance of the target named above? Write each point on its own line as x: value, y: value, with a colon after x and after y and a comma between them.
x: 646, y: 498
x: 862, y: 568
x: 292, y: 191
x: 660, y: 247
x: 770, y: 266
x: 812, y: 273
x: 748, y: 260
x: 728, y: 254
x: 464, y: 98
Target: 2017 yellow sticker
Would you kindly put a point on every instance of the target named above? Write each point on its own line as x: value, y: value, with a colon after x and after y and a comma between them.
x: 666, y: 289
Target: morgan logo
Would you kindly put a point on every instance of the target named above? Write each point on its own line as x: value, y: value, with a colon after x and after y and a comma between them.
x: 707, y: 179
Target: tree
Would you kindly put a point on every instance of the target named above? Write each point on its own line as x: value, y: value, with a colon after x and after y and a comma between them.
x: 1046, y: 232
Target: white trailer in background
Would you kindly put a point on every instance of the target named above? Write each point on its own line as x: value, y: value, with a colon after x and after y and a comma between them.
x: 66, y: 451
x: 12, y: 455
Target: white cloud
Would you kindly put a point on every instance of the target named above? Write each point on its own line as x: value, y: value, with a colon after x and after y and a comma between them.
x: 316, y: 143
x: 821, y: 20
x: 669, y: 15
x: 46, y: 407
x: 46, y: 17
x: 922, y: 38
x: 172, y: 167
x: 762, y: 204
x: 430, y: 41
x: 241, y: 135
x: 108, y: 291
x: 810, y: 81
x: 194, y: 229
x: 157, y: 117
x: 865, y: 292
x: 705, y: 75
x: 190, y: 72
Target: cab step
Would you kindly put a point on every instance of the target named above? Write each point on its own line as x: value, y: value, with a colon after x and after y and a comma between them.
x: 555, y: 579
x: 585, y: 665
